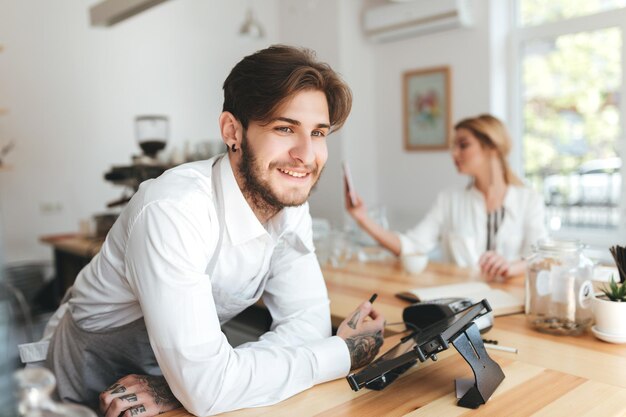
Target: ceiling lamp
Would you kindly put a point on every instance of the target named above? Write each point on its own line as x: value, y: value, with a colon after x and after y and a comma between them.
x: 251, y: 27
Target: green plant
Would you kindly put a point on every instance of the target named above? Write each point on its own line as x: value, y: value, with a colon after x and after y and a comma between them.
x: 615, y: 291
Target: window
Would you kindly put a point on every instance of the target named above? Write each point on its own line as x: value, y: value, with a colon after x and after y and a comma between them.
x: 570, y: 108
x: 536, y: 12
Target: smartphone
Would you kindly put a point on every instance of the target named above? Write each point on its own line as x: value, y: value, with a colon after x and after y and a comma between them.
x: 348, y: 181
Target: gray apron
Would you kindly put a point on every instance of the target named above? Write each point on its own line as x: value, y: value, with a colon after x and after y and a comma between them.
x: 85, y: 362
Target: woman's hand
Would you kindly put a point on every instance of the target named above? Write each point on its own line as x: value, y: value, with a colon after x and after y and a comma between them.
x: 358, y: 211
x: 494, y: 266
x: 138, y: 395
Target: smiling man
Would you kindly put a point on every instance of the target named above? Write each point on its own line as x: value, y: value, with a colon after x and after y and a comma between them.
x: 203, y: 242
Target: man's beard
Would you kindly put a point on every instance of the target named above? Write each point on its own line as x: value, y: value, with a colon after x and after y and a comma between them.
x: 257, y: 190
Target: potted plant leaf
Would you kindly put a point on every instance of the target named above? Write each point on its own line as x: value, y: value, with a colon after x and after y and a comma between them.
x: 609, y: 307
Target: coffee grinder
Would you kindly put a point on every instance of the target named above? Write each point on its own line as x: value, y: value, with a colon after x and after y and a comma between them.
x: 151, y: 132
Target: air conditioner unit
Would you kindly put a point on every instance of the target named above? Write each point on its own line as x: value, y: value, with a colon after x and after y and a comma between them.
x: 411, y: 18
x: 110, y: 12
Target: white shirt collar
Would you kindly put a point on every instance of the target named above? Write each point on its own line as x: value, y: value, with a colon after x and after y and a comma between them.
x: 242, y: 224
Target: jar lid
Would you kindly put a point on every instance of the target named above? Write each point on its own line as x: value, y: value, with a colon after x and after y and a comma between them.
x: 559, y: 246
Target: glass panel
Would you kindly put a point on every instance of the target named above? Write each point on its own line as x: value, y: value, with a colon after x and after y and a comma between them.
x: 571, y: 125
x: 535, y: 12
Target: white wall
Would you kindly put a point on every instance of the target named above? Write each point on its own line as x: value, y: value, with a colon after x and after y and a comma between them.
x: 357, y: 66
x: 74, y: 90
x: 409, y: 181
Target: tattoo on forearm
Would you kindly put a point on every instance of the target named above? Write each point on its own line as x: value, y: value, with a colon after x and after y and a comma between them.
x: 363, y: 348
x: 354, y: 320
x: 160, y: 391
x: 131, y: 398
x: 137, y: 410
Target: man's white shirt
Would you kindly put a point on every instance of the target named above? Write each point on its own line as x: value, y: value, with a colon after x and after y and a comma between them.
x: 154, y: 264
x: 457, y: 222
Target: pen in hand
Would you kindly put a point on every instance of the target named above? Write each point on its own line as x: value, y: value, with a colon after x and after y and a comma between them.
x: 373, y: 297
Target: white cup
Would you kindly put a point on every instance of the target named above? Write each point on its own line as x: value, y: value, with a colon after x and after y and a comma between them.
x: 414, y: 263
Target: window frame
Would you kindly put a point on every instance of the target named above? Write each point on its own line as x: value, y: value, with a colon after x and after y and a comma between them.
x: 518, y: 35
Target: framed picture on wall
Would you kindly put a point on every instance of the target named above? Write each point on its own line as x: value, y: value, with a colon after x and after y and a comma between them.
x: 426, y: 109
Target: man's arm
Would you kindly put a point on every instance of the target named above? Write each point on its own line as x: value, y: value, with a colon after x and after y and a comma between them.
x: 145, y: 395
x: 166, y: 258
x: 300, y: 316
x: 297, y: 298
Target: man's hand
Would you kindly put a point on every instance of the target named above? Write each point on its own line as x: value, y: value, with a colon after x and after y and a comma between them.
x: 363, y: 336
x: 138, y: 395
x: 493, y: 265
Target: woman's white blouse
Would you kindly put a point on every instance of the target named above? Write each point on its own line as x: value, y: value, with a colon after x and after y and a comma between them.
x: 458, y: 223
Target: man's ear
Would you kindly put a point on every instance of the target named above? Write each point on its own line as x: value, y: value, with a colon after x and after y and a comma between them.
x: 231, y: 130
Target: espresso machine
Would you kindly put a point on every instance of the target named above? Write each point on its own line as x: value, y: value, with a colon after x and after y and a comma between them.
x: 151, y: 133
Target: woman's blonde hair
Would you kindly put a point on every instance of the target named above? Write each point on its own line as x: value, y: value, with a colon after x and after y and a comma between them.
x: 492, y: 134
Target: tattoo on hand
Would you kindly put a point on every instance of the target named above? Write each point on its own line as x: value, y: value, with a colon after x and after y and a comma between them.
x: 354, y: 320
x: 160, y: 391
x: 363, y: 348
x: 131, y: 398
x: 137, y: 410
x: 118, y: 389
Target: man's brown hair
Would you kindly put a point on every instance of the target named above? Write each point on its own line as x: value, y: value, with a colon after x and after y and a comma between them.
x: 260, y: 83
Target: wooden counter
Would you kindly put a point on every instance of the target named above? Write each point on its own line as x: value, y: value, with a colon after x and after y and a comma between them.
x: 71, y: 253
x: 75, y: 244
x: 550, y: 376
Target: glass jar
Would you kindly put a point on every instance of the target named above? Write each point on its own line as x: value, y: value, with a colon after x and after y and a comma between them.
x: 558, y: 288
x: 34, y: 386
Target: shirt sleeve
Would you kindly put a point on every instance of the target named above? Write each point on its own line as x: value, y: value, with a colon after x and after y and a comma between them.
x: 297, y: 299
x: 166, y: 258
x: 426, y: 235
x: 534, y: 222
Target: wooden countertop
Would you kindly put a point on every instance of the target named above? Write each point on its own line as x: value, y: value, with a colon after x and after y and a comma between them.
x: 74, y: 243
x: 550, y: 375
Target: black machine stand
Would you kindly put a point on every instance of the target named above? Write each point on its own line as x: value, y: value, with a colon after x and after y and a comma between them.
x: 462, y: 332
x: 487, y: 373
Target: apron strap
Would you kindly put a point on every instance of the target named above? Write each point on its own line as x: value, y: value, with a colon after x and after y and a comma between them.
x: 219, y: 198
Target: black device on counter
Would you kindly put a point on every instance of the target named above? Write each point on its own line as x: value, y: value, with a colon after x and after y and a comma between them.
x: 458, y: 329
x: 424, y: 313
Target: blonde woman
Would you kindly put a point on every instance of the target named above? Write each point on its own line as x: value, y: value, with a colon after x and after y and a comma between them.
x: 490, y: 224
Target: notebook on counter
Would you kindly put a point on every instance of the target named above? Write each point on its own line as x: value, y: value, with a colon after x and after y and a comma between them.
x: 501, y: 302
